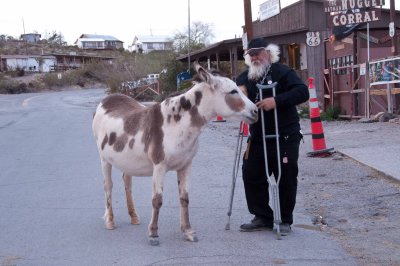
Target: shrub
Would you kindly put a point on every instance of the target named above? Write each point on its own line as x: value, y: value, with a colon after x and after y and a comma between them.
x: 331, y: 113
x: 304, y: 111
x: 10, y: 87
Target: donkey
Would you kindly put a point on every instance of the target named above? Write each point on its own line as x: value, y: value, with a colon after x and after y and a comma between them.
x: 149, y: 141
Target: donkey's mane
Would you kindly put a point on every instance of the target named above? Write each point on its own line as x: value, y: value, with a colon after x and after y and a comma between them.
x: 196, y: 79
x: 212, y: 71
x: 177, y: 93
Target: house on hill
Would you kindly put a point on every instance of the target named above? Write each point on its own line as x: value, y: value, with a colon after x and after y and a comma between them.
x: 28, y: 63
x: 31, y: 37
x: 148, y: 43
x: 98, y: 42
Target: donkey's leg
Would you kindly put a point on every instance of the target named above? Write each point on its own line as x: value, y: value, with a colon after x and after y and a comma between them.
x: 158, y: 179
x: 183, y: 184
x: 129, y: 199
x: 108, y: 184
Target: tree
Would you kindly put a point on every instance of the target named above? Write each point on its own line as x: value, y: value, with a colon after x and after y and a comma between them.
x: 4, y: 37
x: 56, y: 38
x: 201, y: 35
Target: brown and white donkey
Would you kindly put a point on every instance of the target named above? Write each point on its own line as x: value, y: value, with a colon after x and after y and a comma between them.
x: 149, y: 141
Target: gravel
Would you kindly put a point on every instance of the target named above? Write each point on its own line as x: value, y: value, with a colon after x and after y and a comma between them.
x: 352, y: 203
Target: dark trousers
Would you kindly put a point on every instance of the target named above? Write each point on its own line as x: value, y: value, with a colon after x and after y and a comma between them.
x: 256, y: 182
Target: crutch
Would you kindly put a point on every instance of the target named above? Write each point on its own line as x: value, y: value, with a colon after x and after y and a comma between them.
x: 273, y: 183
x: 235, y: 171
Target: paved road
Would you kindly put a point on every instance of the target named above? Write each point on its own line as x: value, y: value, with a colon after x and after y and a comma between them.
x: 51, y: 199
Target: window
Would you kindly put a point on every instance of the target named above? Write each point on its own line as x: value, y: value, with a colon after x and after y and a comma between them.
x: 294, y: 56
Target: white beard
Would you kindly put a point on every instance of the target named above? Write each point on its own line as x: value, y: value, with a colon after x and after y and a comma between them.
x: 256, y: 71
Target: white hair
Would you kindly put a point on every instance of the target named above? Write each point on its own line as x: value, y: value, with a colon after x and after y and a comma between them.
x: 273, y: 50
x: 247, y: 59
x: 257, y: 71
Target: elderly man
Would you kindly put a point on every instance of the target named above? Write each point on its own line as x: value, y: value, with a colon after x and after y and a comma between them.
x: 263, y: 68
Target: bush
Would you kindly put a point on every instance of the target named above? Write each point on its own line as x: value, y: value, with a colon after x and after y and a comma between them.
x: 68, y: 78
x: 331, y: 113
x: 12, y: 87
x: 304, y: 111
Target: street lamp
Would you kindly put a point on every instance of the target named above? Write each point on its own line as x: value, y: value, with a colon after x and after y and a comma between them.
x: 188, y: 36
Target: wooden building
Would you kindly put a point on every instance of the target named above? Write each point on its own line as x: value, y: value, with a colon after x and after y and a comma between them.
x: 302, y: 30
x: 347, y: 70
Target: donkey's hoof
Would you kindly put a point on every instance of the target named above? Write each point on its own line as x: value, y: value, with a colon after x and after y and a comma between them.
x: 153, y: 240
x: 192, y: 237
x: 110, y: 225
x: 135, y: 220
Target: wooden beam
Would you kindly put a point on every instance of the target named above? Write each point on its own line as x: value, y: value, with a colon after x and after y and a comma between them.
x: 384, y: 91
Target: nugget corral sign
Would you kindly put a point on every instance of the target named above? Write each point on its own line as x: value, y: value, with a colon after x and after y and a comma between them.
x: 346, y: 12
x: 343, y: 5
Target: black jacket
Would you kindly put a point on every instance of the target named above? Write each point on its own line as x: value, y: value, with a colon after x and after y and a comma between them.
x: 290, y: 91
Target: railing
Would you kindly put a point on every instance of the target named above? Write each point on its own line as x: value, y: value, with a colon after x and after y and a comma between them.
x: 137, y: 88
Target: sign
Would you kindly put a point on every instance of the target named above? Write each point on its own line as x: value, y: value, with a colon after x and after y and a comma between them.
x: 244, y: 41
x: 391, y: 29
x: 366, y: 37
x: 384, y: 71
x: 181, y: 77
x: 343, y: 5
x: 342, y: 19
x: 313, y: 38
x: 363, y: 69
x: 269, y: 9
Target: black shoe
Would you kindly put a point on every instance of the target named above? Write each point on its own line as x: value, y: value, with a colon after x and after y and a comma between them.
x: 284, y: 229
x: 257, y: 224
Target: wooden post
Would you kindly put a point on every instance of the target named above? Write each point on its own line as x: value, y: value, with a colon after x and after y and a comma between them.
x: 248, y: 20
x: 392, y: 19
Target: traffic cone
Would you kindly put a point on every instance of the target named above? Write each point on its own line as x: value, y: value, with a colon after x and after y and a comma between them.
x: 219, y: 119
x: 244, y: 128
x: 317, y: 131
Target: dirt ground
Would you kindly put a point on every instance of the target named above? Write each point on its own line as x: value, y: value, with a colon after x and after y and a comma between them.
x: 348, y: 201
x: 354, y: 204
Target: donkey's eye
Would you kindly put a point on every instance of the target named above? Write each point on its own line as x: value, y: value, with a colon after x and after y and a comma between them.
x: 233, y: 92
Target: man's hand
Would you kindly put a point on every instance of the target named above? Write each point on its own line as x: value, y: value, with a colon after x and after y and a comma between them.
x: 267, y: 104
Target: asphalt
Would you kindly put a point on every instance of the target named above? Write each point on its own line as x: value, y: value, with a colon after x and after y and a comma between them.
x: 375, y: 144
x: 52, y: 199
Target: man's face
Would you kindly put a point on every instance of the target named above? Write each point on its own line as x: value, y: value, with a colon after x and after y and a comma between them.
x: 259, y: 60
x: 258, y: 56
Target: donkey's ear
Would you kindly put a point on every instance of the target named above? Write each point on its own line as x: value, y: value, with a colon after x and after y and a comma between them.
x: 202, y: 73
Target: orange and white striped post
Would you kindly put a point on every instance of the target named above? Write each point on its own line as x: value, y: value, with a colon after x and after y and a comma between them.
x: 244, y: 128
x: 219, y: 119
x: 317, y: 131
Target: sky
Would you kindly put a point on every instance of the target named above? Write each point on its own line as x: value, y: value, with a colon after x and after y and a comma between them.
x: 123, y: 19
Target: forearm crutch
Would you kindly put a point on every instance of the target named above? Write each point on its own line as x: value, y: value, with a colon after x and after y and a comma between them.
x: 235, y: 171
x: 273, y: 182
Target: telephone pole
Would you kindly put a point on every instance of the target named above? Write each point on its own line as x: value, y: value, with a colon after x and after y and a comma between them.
x: 392, y: 19
x: 248, y: 20
x: 188, y: 37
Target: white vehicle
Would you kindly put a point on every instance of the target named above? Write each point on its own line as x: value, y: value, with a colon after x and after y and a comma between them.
x: 153, y: 76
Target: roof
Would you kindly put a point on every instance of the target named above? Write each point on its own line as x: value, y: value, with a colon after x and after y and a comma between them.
x: 30, y: 34
x: 222, y: 48
x: 95, y: 37
x: 154, y: 38
x: 26, y: 56
x: 80, y: 55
